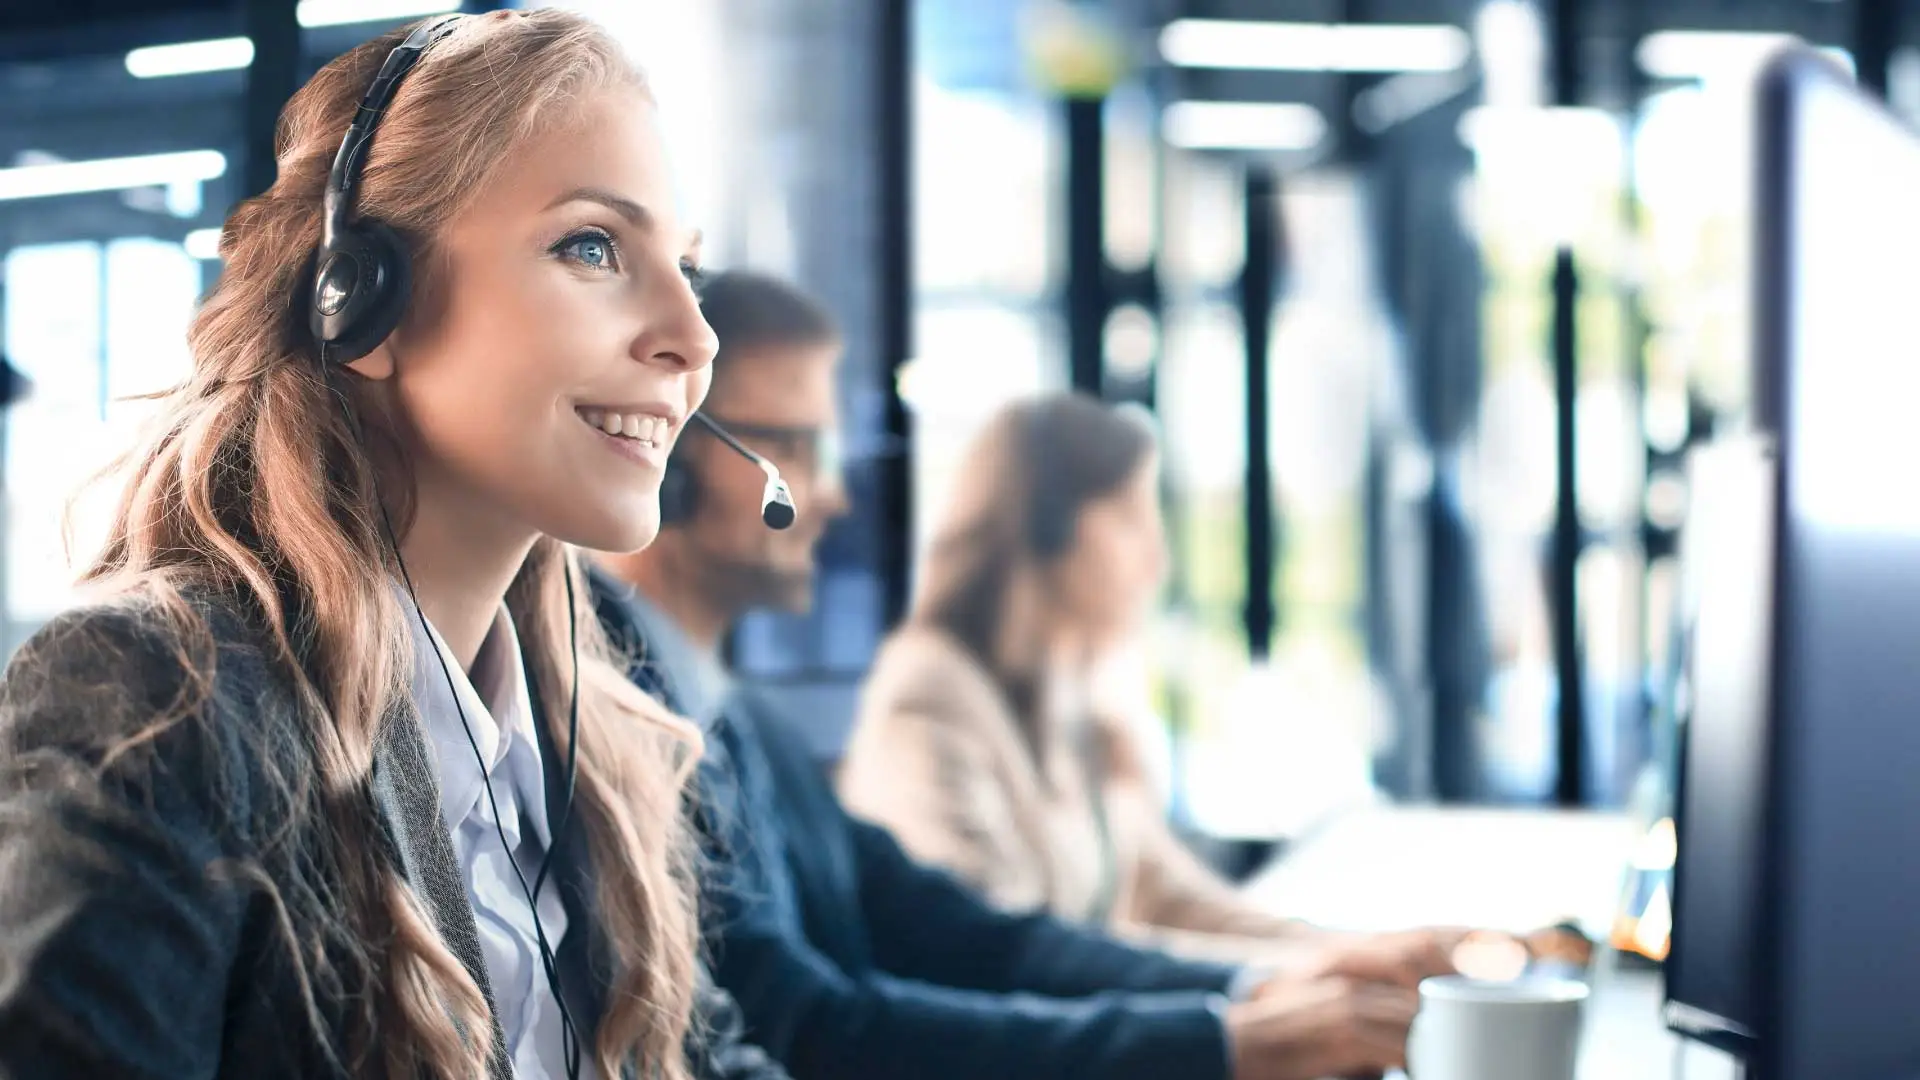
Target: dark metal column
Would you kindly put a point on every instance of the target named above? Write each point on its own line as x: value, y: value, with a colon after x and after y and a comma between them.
x: 274, y: 76
x: 1876, y: 28
x: 893, y: 270
x: 1563, y: 563
x: 1086, y: 293
x: 1352, y: 145
x: 1258, y: 288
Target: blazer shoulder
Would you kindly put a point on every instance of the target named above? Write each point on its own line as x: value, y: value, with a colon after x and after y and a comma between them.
x: 923, y: 670
x: 133, y: 686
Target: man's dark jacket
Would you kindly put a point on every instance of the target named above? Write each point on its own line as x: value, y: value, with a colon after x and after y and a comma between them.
x: 851, y: 961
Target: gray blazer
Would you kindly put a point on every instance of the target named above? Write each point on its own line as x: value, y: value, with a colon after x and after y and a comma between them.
x: 152, y: 950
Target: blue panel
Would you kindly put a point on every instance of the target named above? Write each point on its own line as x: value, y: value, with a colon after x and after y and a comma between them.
x: 970, y: 44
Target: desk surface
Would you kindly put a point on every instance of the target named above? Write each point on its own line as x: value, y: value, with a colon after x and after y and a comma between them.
x: 1624, y: 1037
x: 1388, y: 868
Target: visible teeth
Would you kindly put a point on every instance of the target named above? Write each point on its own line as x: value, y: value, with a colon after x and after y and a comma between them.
x: 640, y: 428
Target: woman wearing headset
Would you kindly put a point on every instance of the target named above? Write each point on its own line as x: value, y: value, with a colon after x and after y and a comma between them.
x: 281, y: 801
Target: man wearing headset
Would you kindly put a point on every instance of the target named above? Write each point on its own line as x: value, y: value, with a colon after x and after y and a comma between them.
x: 847, y: 958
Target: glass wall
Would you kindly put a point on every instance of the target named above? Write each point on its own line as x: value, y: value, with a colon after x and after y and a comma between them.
x: 988, y: 180
x: 1547, y: 178
x: 112, y: 184
x: 117, y: 167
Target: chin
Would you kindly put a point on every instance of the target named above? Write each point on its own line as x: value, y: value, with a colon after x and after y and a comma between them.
x: 794, y: 596
x: 614, y: 534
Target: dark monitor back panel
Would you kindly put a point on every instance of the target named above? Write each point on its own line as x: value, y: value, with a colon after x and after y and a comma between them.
x: 1839, y: 378
x: 1727, y: 568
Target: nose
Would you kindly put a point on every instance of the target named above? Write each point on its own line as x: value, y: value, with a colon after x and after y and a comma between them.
x: 675, y: 334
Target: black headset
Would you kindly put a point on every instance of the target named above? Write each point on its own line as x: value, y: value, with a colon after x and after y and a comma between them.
x: 362, y: 275
x: 679, y: 491
x: 363, y: 270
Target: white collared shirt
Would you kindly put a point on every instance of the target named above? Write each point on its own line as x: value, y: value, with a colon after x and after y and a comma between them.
x: 499, y: 714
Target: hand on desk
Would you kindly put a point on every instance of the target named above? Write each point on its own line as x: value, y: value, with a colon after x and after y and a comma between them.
x: 1398, y: 959
x: 1305, y: 1029
x: 1403, y: 958
x: 1344, y: 1008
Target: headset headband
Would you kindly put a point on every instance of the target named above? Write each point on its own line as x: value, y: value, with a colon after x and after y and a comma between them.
x: 344, y: 178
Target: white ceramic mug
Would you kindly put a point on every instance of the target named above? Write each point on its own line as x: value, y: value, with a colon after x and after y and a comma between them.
x: 1470, y: 1029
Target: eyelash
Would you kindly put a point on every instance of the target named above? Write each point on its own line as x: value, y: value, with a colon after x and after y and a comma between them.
x: 690, y: 268
x: 585, y: 236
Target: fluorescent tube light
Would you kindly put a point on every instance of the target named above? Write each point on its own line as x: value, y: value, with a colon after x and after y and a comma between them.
x: 1292, y: 46
x: 1242, y: 125
x: 203, y: 243
x: 190, y: 57
x: 1405, y: 96
x: 110, y: 174
x: 341, y: 12
x: 1701, y: 54
x: 230, y: 53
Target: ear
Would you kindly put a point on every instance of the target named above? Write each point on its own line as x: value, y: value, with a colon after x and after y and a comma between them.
x: 377, y: 365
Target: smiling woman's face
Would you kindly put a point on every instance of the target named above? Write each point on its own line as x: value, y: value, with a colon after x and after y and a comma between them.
x: 560, y: 348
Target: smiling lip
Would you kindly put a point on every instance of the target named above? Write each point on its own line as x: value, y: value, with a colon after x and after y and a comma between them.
x: 639, y: 433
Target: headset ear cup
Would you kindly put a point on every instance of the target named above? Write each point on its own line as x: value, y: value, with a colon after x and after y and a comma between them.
x: 678, y: 492
x: 365, y: 278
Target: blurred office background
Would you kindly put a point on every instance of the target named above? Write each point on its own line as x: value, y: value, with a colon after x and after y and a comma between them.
x: 1427, y: 298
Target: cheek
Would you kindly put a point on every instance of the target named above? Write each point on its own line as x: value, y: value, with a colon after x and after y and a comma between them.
x: 1129, y: 578
x: 1154, y: 563
x: 1095, y: 581
x: 533, y: 331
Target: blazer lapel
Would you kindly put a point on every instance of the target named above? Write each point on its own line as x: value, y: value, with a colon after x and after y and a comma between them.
x: 408, y: 796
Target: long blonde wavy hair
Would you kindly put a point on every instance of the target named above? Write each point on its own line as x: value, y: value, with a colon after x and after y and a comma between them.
x: 251, y: 482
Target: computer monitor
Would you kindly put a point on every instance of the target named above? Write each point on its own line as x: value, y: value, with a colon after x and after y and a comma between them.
x: 1726, y: 571
x: 1822, y: 924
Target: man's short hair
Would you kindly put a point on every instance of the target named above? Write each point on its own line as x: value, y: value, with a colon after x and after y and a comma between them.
x: 749, y: 311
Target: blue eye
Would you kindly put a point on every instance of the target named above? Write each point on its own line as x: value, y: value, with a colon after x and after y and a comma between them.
x: 695, y: 275
x: 594, y: 250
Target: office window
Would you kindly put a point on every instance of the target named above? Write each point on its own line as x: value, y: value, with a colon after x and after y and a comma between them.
x: 53, y: 331
x: 91, y: 325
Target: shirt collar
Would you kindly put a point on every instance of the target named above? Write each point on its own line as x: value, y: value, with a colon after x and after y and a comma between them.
x: 694, y: 676
x: 498, y: 711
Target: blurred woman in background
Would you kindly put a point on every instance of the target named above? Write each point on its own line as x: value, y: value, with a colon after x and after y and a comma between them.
x: 981, y: 740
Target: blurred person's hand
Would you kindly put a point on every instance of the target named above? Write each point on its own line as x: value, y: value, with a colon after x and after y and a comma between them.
x: 1305, y: 1029
x: 1401, y: 959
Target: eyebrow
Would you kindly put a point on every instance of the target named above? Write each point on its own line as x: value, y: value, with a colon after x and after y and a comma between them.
x: 638, y: 216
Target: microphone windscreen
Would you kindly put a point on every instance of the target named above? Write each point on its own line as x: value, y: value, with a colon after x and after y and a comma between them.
x: 776, y: 505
